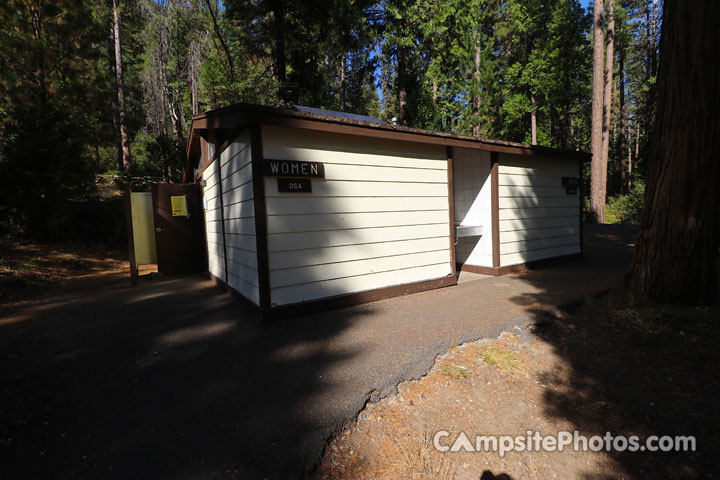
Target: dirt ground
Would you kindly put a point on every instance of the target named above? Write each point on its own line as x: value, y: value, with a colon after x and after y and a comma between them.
x: 28, y: 270
x: 605, y: 366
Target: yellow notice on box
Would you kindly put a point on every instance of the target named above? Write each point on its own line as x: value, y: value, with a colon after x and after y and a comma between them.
x: 179, y: 205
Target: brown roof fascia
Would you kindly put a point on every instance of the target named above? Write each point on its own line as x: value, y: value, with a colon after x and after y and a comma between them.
x: 240, y: 115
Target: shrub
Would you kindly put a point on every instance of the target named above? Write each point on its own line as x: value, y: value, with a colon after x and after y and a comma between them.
x: 626, y: 208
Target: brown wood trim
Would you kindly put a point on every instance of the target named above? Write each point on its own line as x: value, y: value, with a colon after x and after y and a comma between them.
x: 340, y: 301
x: 222, y: 215
x: 521, y: 267
x: 241, y: 115
x: 385, y: 132
x: 219, y: 148
x: 451, y: 206
x: 495, y: 207
x: 260, y: 215
x: 131, y: 236
x: 478, y: 269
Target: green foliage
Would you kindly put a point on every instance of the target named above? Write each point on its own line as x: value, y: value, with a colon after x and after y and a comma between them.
x: 52, y: 109
x: 626, y: 208
x: 157, y: 157
x: 546, y: 58
x: 324, y: 46
x: 471, y: 67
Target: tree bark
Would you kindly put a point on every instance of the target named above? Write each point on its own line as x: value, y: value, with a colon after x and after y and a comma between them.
x: 279, y: 51
x: 676, y: 257
x: 621, y: 123
x: 219, y: 35
x: 402, y: 87
x: 113, y: 100
x: 343, y: 67
x: 477, y: 100
x: 193, y: 74
x: 597, y: 168
x: 608, y: 91
x: 533, y: 121
x: 630, y: 158
x: 124, y: 138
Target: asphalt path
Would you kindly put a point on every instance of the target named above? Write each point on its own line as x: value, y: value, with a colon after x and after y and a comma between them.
x: 174, y: 380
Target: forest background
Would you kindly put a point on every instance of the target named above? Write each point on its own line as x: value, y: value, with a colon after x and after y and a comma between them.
x: 94, y: 92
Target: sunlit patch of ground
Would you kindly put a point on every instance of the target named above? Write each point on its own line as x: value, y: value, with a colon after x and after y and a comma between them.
x: 598, y: 369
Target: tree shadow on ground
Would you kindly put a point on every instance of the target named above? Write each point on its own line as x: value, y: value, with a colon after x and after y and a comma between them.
x: 488, y: 475
x: 635, y: 370
x: 170, y: 380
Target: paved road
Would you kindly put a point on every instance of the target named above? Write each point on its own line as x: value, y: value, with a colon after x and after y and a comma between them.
x: 174, y: 380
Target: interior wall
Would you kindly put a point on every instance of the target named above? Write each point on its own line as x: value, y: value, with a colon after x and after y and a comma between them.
x: 471, y: 181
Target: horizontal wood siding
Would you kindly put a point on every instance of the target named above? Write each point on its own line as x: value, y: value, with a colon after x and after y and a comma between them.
x: 216, y: 256
x: 279, y: 242
x: 232, y: 174
x: 379, y: 218
x: 538, y: 218
x: 368, y: 281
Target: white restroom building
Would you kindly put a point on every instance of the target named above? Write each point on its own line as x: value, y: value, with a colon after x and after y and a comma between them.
x: 308, y: 209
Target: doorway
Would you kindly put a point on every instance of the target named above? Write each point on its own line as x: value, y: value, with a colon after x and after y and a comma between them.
x: 179, y: 228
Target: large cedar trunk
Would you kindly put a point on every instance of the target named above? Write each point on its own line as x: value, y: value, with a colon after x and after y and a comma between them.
x: 676, y: 257
x: 597, y: 169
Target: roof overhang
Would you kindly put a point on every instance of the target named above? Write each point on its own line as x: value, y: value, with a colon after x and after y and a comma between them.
x: 217, y: 124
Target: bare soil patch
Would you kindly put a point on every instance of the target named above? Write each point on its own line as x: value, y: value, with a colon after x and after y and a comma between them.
x: 28, y: 270
x: 607, y: 366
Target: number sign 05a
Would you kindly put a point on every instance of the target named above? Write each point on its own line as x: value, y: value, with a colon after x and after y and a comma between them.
x: 294, y: 185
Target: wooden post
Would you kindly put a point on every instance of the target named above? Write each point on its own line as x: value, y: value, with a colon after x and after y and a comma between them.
x: 451, y: 207
x: 131, y: 241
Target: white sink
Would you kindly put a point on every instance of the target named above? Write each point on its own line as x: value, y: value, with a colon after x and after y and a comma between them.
x: 468, y: 230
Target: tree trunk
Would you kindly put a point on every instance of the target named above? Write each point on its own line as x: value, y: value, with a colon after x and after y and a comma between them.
x: 124, y: 139
x: 279, y: 51
x: 630, y: 158
x: 621, y: 123
x: 113, y: 98
x: 598, y: 170
x: 343, y: 67
x: 476, y: 100
x: 219, y: 35
x: 676, y: 257
x: 194, y: 66
x: 402, y: 87
x: 608, y: 91
x: 533, y: 121
x: 651, y: 29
